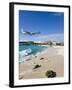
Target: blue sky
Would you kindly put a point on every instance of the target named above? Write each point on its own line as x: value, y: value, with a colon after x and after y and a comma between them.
x: 50, y: 24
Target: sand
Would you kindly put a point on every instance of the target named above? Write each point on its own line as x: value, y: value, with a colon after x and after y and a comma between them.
x: 52, y: 59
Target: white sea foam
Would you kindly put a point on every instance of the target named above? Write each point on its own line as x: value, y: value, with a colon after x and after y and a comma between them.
x: 25, y: 52
x: 25, y: 58
x: 24, y: 55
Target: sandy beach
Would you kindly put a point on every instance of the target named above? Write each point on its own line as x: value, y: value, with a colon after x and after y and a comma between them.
x: 51, y: 59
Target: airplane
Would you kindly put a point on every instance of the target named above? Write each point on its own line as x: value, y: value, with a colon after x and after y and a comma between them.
x: 29, y: 33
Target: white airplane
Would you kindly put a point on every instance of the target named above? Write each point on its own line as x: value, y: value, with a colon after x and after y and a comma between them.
x: 29, y: 33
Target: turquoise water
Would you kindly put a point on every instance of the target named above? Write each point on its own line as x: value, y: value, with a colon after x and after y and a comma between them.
x: 27, y: 51
x: 34, y: 49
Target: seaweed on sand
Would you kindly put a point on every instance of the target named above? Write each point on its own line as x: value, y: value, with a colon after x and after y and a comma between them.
x: 37, y: 66
x: 50, y: 74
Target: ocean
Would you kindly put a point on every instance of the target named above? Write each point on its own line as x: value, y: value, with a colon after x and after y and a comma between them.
x: 26, y: 52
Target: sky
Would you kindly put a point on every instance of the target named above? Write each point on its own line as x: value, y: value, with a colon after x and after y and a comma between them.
x: 49, y: 24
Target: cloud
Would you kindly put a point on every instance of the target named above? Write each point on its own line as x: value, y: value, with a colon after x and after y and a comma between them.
x: 57, y: 37
x: 58, y: 14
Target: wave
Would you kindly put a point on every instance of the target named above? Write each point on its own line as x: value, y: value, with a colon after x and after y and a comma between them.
x: 25, y: 52
x: 26, y: 58
x: 28, y: 54
x: 41, y: 52
x: 25, y: 55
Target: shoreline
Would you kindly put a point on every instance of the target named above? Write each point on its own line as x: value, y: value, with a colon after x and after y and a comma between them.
x: 51, y: 59
x: 36, y: 54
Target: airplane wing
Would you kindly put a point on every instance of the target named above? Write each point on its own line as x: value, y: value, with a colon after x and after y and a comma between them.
x: 33, y: 33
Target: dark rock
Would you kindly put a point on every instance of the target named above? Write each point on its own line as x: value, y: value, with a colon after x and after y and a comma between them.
x: 28, y: 59
x: 21, y: 77
x: 37, y: 66
x: 51, y: 74
x: 41, y: 58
